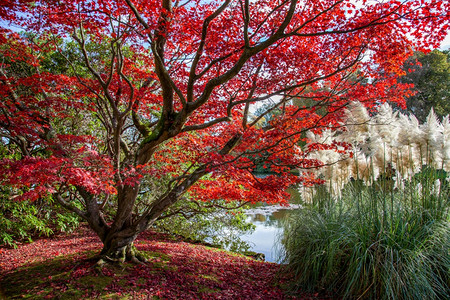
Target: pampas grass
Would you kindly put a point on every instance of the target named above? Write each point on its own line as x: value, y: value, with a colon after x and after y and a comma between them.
x: 375, y: 242
x: 387, y: 142
x: 380, y: 226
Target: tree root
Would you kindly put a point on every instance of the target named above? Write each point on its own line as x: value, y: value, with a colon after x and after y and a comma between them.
x: 118, y: 256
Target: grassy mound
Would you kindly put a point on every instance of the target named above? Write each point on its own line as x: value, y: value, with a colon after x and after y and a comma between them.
x: 64, y: 268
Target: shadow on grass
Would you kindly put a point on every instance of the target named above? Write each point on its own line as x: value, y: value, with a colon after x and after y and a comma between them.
x: 175, y: 270
x: 190, y: 272
x: 79, y: 277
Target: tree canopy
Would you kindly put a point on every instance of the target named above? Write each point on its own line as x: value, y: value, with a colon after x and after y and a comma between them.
x: 430, y: 74
x: 118, y: 109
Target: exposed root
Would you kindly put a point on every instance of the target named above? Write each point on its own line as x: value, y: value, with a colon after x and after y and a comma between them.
x: 125, y: 254
x: 140, y: 258
x: 100, y: 263
x: 135, y: 260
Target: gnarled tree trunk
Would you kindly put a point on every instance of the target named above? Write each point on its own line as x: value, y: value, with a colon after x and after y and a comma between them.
x: 118, y: 247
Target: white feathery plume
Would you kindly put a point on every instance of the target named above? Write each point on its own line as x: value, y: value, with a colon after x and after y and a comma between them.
x: 415, y: 132
x: 312, y: 137
x: 387, y: 126
x: 419, y: 144
x: 331, y: 170
x: 432, y: 132
x: 387, y: 140
x: 410, y: 139
x: 307, y: 193
x: 408, y: 131
x: 398, y: 149
x: 357, y: 123
x: 436, y: 189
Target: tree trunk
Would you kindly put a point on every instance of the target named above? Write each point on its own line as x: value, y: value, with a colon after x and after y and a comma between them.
x: 119, y: 237
x: 118, y: 247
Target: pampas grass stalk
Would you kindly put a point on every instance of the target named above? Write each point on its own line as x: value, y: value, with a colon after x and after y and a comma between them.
x: 358, y: 248
x: 381, y: 236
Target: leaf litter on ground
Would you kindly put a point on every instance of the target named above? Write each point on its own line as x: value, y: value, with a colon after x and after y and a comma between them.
x: 64, y: 267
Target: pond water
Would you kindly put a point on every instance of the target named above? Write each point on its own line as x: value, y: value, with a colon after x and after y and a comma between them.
x: 269, y: 228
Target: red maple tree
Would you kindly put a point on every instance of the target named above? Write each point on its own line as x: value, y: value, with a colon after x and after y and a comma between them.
x: 117, y: 109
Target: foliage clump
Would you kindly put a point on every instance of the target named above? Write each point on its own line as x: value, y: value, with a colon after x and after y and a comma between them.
x: 430, y: 74
x: 23, y: 220
x: 372, y: 245
x: 380, y: 226
x: 386, y: 144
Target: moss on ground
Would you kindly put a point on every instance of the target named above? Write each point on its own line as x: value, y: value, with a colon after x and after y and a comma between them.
x: 173, y: 271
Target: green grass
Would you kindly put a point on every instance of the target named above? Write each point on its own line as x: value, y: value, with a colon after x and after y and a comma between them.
x: 373, y: 243
x: 175, y: 270
x: 57, y: 278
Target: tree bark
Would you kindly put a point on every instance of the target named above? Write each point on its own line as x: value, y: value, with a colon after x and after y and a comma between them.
x: 119, y: 248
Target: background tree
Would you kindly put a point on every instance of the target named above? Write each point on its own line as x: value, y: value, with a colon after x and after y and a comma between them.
x: 430, y: 74
x: 164, y: 90
x: 24, y: 220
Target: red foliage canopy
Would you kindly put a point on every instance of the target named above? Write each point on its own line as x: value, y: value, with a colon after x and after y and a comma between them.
x: 117, y: 97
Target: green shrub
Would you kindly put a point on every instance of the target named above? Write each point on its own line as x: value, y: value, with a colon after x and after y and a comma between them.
x: 374, y: 242
x: 23, y: 220
x: 217, y: 223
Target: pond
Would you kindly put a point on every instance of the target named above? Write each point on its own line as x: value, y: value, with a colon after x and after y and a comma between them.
x: 269, y: 227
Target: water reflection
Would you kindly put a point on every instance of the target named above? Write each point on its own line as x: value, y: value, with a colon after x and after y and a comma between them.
x: 269, y: 220
x: 269, y: 226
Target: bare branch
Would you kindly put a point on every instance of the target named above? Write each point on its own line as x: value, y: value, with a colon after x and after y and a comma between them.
x: 206, y: 125
x: 201, y: 46
x: 70, y: 207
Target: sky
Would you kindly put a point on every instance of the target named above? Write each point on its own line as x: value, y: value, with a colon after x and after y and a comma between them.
x: 445, y: 45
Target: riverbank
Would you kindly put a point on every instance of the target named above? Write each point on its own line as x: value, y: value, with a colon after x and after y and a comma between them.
x: 62, y: 267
